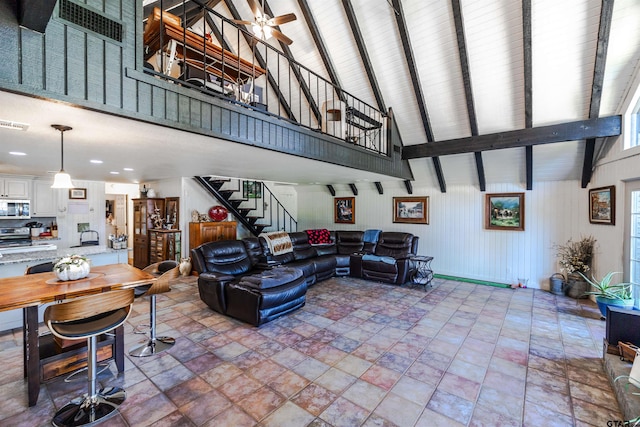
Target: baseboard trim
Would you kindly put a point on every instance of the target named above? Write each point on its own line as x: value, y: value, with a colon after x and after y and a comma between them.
x: 475, y: 281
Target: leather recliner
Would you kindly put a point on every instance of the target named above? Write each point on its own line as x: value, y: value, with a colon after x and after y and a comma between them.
x: 231, y: 281
x: 390, y: 261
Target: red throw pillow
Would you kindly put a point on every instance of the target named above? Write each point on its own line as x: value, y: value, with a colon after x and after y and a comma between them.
x: 319, y: 236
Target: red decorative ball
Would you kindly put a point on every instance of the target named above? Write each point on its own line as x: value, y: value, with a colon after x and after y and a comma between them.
x: 218, y: 213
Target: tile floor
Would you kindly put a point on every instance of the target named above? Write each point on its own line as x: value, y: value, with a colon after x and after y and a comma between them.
x: 358, y: 353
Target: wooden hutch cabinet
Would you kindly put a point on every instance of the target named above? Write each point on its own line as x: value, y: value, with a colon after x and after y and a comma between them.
x: 141, y: 226
x: 164, y: 245
x: 203, y: 232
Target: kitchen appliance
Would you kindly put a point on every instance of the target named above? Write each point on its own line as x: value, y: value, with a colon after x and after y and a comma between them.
x: 15, y: 236
x: 15, y: 209
x: 14, y: 240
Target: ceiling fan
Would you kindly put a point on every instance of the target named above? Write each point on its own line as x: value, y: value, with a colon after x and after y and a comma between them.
x: 263, y: 26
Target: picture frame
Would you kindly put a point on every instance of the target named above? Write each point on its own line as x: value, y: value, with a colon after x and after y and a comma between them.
x: 77, y: 193
x: 602, y: 205
x: 411, y: 210
x: 172, y: 211
x: 344, y: 210
x: 504, y: 211
x: 252, y: 189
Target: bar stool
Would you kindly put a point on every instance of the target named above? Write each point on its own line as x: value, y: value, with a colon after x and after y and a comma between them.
x: 164, y: 271
x: 45, y: 267
x: 87, y: 317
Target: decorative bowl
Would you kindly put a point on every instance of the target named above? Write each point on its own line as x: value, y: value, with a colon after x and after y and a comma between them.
x: 218, y: 213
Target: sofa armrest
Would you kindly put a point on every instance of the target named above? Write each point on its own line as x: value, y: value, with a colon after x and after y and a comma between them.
x: 216, y: 277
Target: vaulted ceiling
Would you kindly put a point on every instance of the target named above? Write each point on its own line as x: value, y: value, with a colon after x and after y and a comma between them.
x: 457, y: 73
x: 453, y: 69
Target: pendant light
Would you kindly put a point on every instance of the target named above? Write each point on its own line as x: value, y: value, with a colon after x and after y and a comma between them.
x: 62, y: 179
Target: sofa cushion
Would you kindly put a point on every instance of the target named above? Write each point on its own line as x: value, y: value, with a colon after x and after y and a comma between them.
x: 394, y: 244
x: 349, y: 242
x: 224, y: 256
x: 319, y: 236
x: 302, y: 249
x: 271, y: 278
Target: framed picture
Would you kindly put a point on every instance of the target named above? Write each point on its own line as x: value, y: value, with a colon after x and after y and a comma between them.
x: 411, y: 210
x: 602, y: 205
x: 504, y: 211
x: 172, y: 211
x: 252, y: 189
x: 77, y: 193
x: 345, y: 210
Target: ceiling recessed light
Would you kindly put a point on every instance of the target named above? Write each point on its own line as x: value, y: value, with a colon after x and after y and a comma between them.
x: 96, y: 161
x: 127, y: 169
x: 114, y: 173
x: 17, y: 153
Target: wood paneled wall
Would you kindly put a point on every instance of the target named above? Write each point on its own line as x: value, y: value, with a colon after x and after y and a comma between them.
x: 455, y: 235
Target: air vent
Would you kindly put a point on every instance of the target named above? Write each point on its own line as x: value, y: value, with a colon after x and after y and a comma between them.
x: 92, y: 21
x: 8, y: 124
x: 397, y: 149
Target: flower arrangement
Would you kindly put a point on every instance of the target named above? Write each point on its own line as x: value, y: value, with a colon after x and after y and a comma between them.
x: 156, y: 218
x: 575, y: 257
x: 72, y: 267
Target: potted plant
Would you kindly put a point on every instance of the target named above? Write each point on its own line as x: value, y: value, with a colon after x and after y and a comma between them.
x: 72, y: 267
x: 575, y: 260
x: 618, y: 295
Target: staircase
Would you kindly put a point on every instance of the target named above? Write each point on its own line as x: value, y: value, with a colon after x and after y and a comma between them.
x: 251, y: 203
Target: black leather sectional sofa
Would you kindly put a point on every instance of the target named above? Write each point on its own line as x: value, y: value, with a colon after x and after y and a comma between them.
x: 243, y: 279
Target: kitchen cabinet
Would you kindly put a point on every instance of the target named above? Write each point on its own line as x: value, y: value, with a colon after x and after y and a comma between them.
x: 44, y: 199
x: 142, y: 208
x: 203, y: 232
x: 164, y: 245
x: 14, y: 188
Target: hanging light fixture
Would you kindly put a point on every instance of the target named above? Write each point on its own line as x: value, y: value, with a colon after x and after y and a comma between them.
x: 62, y: 179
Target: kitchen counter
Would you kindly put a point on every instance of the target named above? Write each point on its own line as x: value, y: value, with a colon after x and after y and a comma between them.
x: 16, y: 264
x: 48, y: 255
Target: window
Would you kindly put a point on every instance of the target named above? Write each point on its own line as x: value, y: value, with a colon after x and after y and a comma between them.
x: 634, y: 127
x: 632, y: 242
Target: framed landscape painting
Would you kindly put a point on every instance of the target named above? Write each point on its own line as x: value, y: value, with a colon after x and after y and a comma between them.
x: 411, y: 210
x: 345, y: 210
x: 602, y: 205
x: 504, y: 211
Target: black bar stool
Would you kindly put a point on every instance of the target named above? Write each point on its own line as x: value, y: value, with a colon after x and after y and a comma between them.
x: 87, y: 317
x: 164, y: 271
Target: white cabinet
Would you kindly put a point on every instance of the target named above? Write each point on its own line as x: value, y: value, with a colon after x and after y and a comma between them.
x: 14, y: 188
x: 44, y: 199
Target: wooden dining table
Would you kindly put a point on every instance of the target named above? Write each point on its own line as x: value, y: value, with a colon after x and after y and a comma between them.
x: 28, y: 292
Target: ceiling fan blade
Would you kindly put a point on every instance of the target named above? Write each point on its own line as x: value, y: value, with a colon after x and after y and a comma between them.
x: 255, y: 8
x: 241, y: 22
x: 282, y: 19
x: 278, y: 35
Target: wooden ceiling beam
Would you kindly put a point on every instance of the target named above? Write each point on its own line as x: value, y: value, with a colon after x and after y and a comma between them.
x: 364, y: 55
x: 572, y: 131
x: 606, y: 13
x: 417, y: 86
x: 528, y: 86
x: 35, y: 14
x: 296, y: 70
x: 466, y: 79
x: 322, y: 48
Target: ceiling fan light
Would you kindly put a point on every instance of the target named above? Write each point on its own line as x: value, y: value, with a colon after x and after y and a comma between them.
x: 267, y: 31
x: 62, y: 180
